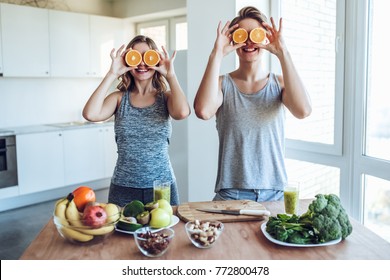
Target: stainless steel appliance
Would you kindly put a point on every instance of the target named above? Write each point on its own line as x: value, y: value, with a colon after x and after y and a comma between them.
x: 8, y: 166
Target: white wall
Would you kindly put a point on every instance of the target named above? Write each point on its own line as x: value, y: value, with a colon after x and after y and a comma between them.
x: 137, y: 8
x: 202, y: 135
x: 41, y: 101
x: 95, y: 7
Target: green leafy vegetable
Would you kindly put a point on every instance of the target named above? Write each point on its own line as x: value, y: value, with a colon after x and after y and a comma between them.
x: 325, y: 220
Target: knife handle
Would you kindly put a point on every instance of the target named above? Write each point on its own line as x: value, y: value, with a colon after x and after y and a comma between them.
x: 255, y: 212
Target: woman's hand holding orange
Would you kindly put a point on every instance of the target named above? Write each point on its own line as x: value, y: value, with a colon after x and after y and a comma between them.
x: 276, y: 43
x: 165, y: 66
x: 118, y: 64
x: 223, y: 43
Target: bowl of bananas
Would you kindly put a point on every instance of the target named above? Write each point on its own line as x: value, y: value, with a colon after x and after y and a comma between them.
x: 93, y: 224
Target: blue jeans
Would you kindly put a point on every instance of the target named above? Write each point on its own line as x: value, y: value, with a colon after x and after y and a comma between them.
x: 254, y: 194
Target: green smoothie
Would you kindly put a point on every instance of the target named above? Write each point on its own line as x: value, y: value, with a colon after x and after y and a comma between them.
x: 162, y: 192
x: 291, y: 199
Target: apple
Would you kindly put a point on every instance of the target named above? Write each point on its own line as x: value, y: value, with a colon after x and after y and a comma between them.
x: 94, y: 216
x: 159, y: 218
x: 164, y: 204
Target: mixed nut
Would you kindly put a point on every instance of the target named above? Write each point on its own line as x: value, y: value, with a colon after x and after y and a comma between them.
x: 204, y: 233
x: 153, y: 243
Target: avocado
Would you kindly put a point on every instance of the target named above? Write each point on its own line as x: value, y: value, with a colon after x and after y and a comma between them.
x: 128, y: 224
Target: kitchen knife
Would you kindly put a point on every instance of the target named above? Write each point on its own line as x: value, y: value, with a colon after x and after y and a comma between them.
x: 249, y: 212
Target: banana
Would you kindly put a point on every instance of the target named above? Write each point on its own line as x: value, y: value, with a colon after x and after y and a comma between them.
x: 59, y: 210
x: 112, y: 211
x: 75, y: 235
x: 98, y: 231
x: 73, y: 215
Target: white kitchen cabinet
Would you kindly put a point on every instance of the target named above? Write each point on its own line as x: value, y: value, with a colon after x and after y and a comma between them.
x: 69, y: 44
x: 40, y: 160
x: 83, y: 154
x: 25, y: 41
x: 81, y: 44
x: 106, y: 33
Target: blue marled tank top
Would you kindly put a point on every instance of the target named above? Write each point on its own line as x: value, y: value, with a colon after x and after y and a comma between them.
x: 142, y: 136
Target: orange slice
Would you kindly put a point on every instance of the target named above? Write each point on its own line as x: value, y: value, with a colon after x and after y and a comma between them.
x: 151, y: 58
x: 257, y: 35
x: 240, y: 35
x: 133, y: 58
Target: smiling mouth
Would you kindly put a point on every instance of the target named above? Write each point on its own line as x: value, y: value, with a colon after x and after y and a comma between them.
x: 249, y: 50
x: 142, y: 70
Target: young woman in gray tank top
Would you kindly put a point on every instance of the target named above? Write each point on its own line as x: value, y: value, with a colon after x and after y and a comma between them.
x: 249, y: 107
x: 143, y: 108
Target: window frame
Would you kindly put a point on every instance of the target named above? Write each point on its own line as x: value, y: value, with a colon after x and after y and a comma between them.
x: 337, y: 147
x: 170, y: 25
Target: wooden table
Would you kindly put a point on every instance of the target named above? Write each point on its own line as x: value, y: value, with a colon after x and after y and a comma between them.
x: 240, y: 240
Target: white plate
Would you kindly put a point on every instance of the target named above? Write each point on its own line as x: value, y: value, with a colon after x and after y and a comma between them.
x: 174, y: 221
x: 270, y: 238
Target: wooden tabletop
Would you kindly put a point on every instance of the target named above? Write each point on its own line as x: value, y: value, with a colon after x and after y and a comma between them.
x: 240, y: 240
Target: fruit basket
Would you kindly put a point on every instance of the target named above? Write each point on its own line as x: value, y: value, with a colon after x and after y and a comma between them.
x: 93, y: 225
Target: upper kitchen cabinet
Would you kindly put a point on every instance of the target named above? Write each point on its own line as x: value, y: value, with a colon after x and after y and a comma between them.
x: 106, y: 33
x: 81, y: 44
x: 25, y: 41
x: 69, y: 44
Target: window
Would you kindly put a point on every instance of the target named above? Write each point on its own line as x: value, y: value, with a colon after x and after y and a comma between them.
x: 373, y: 161
x: 311, y: 34
x: 313, y: 178
x: 377, y: 205
x: 378, y: 107
x: 170, y: 33
x: 157, y: 30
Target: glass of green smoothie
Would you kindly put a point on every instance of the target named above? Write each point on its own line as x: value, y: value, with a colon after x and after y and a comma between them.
x: 162, y: 190
x: 291, y: 198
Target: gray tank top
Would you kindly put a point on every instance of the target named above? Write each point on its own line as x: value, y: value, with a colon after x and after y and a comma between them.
x: 142, y: 136
x: 251, y: 137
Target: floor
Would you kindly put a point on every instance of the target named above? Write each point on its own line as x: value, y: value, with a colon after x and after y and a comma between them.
x: 20, y: 226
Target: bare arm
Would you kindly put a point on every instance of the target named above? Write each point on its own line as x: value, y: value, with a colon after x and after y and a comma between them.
x: 295, y: 96
x: 100, y: 107
x: 209, y: 95
x: 178, y: 106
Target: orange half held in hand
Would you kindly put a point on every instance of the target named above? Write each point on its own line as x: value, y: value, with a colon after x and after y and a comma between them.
x: 133, y: 58
x: 240, y: 35
x: 151, y: 58
x: 258, y: 35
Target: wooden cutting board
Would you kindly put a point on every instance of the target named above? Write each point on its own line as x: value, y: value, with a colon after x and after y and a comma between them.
x: 187, y: 211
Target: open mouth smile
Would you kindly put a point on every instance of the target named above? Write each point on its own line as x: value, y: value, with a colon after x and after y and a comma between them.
x: 249, y: 50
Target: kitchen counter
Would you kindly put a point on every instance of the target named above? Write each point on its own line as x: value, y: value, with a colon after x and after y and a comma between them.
x: 50, y: 127
x: 362, y: 244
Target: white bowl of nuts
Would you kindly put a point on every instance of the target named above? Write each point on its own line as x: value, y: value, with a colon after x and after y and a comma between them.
x: 204, y: 234
x: 153, y: 244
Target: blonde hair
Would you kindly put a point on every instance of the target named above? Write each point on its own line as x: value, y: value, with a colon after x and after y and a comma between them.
x: 127, y: 80
x: 249, y: 12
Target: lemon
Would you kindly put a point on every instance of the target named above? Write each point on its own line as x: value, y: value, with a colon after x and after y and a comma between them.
x: 133, y: 208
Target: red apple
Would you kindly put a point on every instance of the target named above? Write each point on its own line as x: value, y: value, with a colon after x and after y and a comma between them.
x: 94, y: 216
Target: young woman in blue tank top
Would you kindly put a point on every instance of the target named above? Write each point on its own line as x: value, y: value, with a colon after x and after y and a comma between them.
x: 143, y: 108
x: 249, y: 107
